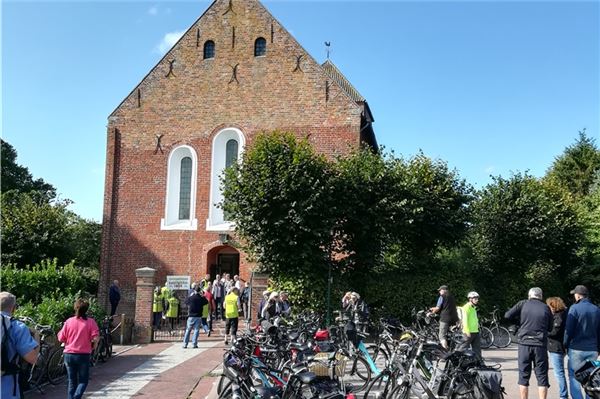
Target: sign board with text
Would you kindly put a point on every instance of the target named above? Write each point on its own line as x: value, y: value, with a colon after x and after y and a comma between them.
x: 179, y: 282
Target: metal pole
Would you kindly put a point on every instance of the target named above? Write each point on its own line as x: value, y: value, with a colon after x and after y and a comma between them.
x: 329, y: 294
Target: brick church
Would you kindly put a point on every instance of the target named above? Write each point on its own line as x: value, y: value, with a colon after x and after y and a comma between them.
x: 234, y: 73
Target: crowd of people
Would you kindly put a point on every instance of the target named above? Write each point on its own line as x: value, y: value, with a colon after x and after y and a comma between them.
x: 547, y: 331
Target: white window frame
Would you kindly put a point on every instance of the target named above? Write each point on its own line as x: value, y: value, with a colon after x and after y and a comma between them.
x: 171, y: 220
x: 215, y: 221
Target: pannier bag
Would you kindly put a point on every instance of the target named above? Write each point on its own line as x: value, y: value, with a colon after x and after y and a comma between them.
x: 588, y: 376
x: 488, y: 384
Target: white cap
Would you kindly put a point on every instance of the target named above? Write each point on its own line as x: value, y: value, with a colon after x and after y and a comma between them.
x: 472, y: 294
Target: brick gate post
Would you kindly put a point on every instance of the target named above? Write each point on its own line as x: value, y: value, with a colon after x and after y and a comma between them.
x: 143, y: 305
x: 260, y: 282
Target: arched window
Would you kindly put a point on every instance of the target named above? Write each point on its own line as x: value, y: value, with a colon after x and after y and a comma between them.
x: 180, y: 200
x: 209, y: 49
x: 227, y: 148
x: 260, y: 47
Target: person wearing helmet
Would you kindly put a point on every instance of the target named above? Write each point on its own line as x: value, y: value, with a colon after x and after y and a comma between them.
x: 470, y: 325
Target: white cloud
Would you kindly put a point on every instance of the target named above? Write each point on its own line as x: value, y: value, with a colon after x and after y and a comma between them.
x: 168, y: 41
x: 153, y: 10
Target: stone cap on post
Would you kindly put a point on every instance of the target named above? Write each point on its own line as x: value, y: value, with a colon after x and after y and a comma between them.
x: 145, y: 272
x: 145, y: 276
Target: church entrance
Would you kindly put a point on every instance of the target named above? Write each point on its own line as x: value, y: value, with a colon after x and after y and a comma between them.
x: 223, y: 259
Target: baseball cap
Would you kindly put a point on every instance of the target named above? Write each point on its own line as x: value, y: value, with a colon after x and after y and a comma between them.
x: 580, y: 289
x: 443, y: 287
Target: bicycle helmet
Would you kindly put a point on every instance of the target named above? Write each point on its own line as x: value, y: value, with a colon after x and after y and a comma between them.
x: 472, y: 294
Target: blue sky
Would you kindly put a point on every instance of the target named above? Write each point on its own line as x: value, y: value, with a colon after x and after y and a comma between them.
x: 489, y: 87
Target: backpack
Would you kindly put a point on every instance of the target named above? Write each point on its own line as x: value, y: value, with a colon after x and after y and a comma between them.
x: 9, y: 366
x: 488, y: 384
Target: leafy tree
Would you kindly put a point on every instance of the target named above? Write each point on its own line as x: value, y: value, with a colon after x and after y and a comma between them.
x: 85, y: 237
x: 282, y: 201
x: 33, y: 229
x: 577, y: 166
x: 17, y: 177
x: 524, y: 232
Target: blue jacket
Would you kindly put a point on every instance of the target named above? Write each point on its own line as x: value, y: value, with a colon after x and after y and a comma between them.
x: 582, y: 330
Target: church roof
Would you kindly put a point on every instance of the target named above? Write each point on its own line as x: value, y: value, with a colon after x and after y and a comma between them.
x: 334, y: 73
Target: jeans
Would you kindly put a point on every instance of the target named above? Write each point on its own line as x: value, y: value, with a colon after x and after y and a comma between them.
x: 205, y: 325
x: 192, y: 322
x: 78, y: 371
x: 576, y: 360
x: 558, y: 364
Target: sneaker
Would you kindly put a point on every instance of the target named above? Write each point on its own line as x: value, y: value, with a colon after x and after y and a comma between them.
x: 226, y: 342
x: 209, y: 333
x: 195, y: 346
x: 184, y: 346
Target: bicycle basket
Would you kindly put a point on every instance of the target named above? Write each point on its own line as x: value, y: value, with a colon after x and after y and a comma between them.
x: 321, y: 364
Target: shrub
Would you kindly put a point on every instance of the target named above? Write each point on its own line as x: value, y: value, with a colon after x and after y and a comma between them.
x: 54, y: 311
x: 47, y: 280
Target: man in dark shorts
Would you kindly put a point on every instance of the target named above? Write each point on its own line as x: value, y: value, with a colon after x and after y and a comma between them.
x: 536, y: 321
x: 446, y: 307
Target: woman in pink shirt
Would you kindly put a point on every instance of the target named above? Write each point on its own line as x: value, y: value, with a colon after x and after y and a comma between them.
x: 80, y: 335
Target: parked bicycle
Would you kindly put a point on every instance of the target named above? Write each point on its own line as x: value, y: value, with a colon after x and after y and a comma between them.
x: 104, y: 348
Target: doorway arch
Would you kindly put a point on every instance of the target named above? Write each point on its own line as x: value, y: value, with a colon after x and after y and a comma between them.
x: 223, y: 259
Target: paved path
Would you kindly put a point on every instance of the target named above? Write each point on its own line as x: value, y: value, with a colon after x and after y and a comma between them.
x: 167, y: 371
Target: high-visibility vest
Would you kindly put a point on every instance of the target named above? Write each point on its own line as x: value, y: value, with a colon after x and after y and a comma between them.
x: 231, y: 306
x: 205, y: 311
x: 157, y: 305
x: 173, y: 307
x: 165, y: 292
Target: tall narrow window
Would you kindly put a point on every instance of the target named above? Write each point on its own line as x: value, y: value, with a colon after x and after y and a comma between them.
x: 209, y: 49
x: 180, y: 200
x: 260, y: 47
x: 185, y: 188
x: 227, y: 147
x: 231, y: 152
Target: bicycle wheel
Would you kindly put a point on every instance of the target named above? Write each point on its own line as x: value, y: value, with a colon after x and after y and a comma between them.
x: 224, y: 385
x: 37, y: 372
x: 98, y: 354
x: 360, y: 368
x: 108, y: 348
x: 400, y: 392
x: 56, y: 367
x: 378, y: 354
x: 501, y: 337
x: 380, y: 386
x: 486, y: 337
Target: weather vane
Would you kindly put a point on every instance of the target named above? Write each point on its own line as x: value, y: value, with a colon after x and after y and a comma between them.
x: 328, y: 45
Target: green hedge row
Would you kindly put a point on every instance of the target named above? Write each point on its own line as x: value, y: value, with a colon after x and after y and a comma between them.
x: 47, y: 280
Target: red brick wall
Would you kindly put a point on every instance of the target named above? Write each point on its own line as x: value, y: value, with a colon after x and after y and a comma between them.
x: 190, y: 107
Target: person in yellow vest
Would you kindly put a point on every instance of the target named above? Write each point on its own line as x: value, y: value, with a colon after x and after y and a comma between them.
x: 470, y: 323
x: 166, y: 294
x: 157, y: 308
x: 232, y: 312
x: 205, y: 314
x: 172, y: 309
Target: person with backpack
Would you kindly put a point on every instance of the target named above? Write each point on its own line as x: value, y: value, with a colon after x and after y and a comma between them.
x: 17, y: 343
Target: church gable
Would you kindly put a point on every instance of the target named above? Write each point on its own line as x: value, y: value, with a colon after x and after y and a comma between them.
x: 234, y: 84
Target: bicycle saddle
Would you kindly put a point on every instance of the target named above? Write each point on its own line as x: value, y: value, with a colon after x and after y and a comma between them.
x: 268, y: 392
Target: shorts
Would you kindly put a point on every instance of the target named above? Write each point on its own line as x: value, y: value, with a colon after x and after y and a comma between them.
x: 231, y: 324
x: 538, y: 356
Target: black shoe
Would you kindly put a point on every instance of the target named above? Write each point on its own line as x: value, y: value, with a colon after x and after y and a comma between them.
x: 209, y: 333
